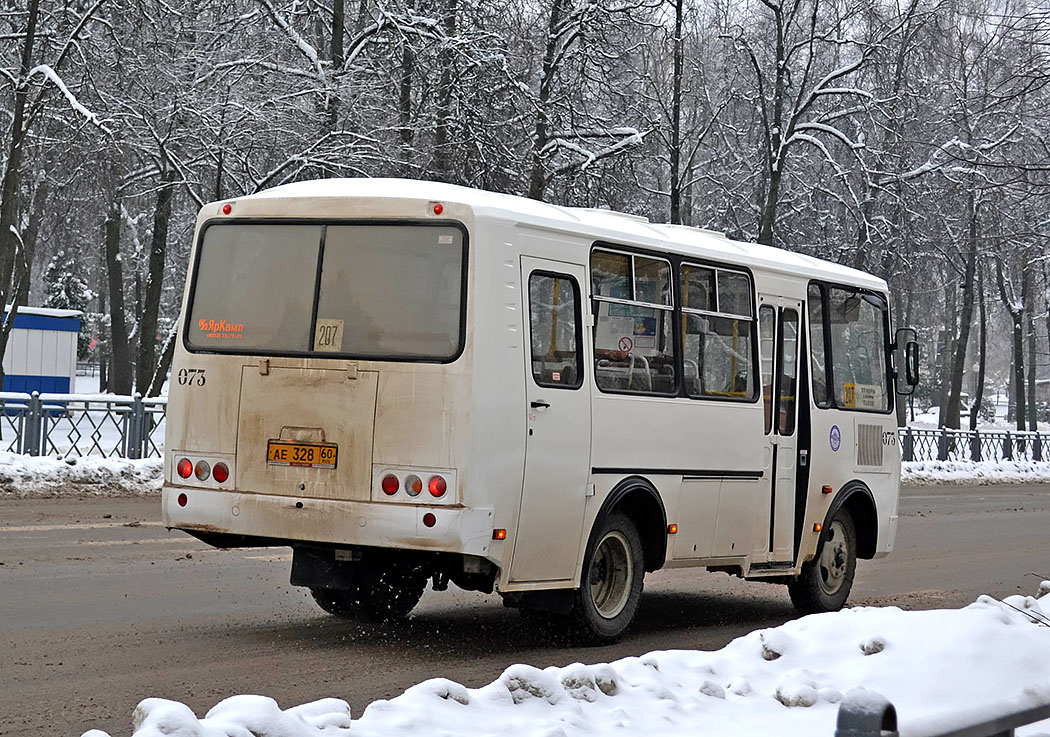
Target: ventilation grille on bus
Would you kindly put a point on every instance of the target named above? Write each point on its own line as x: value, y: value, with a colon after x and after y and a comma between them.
x: 869, y: 445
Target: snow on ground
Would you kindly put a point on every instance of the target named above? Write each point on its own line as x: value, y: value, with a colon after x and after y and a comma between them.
x: 940, y: 669
x: 937, y: 473
x: 25, y: 476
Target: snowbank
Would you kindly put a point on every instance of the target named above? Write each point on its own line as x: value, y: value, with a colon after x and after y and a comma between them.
x: 939, y: 668
x: 935, y: 473
x: 29, y: 476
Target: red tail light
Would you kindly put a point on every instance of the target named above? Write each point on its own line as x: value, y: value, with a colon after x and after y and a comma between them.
x: 220, y: 473
x: 390, y: 484
x: 437, y: 486
x: 185, y: 468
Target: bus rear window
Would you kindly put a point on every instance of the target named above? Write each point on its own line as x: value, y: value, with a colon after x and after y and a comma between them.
x: 384, y: 291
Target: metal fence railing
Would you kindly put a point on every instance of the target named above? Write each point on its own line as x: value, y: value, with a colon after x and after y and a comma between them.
x: 78, y: 425
x: 945, y: 444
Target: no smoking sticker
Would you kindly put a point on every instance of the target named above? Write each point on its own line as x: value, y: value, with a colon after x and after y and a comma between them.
x: 626, y: 344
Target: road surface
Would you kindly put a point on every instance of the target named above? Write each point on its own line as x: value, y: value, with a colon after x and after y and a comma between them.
x: 100, y: 607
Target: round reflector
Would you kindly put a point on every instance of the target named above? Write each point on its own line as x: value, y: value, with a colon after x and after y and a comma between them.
x: 390, y: 484
x: 429, y: 519
x: 202, y: 470
x: 437, y: 486
x: 183, y: 500
x: 220, y: 473
x: 413, y: 485
x: 184, y: 468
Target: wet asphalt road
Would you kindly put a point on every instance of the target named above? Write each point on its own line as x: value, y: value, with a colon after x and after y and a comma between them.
x: 100, y: 607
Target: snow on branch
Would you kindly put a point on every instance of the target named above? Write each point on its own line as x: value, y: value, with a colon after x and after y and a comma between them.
x: 50, y: 74
x: 630, y: 137
x: 830, y: 130
x: 304, y: 46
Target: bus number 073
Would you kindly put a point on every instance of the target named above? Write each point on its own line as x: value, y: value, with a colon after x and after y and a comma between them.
x: 191, y: 377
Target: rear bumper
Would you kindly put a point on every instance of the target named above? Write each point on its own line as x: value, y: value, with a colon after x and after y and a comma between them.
x: 291, y: 519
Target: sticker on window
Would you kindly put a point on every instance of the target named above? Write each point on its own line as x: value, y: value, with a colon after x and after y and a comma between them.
x: 328, y: 338
x: 862, y: 396
x: 221, y: 329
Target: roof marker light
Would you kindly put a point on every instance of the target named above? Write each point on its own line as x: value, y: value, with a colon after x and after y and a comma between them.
x: 227, y: 208
x: 438, y: 208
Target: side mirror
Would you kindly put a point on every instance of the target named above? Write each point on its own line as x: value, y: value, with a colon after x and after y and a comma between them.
x: 906, y: 361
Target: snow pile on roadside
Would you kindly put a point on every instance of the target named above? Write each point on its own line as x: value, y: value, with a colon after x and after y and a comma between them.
x: 926, y: 473
x: 29, y: 476
x: 939, y: 668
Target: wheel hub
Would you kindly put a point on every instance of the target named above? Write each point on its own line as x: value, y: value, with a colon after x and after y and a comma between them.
x: 610, y: 575
x: 834, y: 559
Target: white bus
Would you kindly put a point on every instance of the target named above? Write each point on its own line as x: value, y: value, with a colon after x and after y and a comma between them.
x: 409, y: 382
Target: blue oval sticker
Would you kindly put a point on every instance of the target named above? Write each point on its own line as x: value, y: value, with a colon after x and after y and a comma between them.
x: 836, y: 438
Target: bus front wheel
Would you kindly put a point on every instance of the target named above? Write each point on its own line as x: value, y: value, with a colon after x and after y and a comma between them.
x: 825, y: 582
x: 611, y: 584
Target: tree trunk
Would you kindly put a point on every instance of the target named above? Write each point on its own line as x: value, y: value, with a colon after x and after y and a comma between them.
x: 958, y: 368
x: 982, y: 354
x: 147, y: 353
x: 676, y: 118
x: 1029, y: 309
x: 443, y: 105
x: 164, y: 364
x: 945, y: 348
x: 120, y: 376
x: 335, y: 54
x: 9, y: 188
x: 541, y: 135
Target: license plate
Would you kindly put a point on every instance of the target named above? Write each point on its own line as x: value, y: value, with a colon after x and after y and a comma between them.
x: 308, y: 455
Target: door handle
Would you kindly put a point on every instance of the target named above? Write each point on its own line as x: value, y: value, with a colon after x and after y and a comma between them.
x: 540, y: 404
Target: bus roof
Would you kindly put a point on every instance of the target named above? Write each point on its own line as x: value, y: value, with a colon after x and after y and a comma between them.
x: 607, y: 225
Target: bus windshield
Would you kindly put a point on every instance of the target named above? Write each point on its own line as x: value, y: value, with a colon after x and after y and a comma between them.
x: 382, y: 291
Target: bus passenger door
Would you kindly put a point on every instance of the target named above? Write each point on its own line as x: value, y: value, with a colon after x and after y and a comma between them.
x: 778, y: 320
x: 557, y: 422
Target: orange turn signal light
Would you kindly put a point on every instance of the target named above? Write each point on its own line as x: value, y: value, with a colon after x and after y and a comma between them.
x: 499, y: 534
x: 817, y: 527
x: 672, y: 529
x: 825, y: 489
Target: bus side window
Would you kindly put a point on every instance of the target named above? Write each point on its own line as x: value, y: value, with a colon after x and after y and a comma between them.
x: 554, y: 326
x: 819, y: 369
x: 788, y: 381
x: 766, y: 322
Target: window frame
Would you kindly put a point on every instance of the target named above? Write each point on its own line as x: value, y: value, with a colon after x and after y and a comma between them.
x: 324, y: 223
x: 829, y: 357
x: 577, y: 326
x: 676, y: 261
x: 604, y: 247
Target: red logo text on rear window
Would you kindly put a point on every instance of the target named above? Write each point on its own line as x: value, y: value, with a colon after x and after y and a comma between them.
x: 221, y: 329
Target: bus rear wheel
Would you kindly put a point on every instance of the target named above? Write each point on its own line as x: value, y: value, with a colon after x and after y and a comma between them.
x: 343, y: 603
x: 379, y: 595
x: 825, y: 582
x: 392, y: 593
x: 611, y: 584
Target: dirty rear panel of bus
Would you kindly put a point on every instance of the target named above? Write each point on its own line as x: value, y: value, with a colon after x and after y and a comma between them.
x: 320, y: 363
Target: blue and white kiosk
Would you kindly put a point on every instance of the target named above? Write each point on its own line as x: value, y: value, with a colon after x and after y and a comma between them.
x: 41, y: 352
